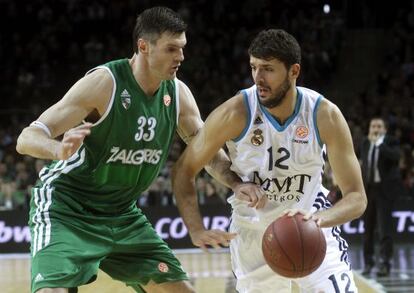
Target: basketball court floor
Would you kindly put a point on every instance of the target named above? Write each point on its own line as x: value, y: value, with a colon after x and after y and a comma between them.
x: 211, y: 273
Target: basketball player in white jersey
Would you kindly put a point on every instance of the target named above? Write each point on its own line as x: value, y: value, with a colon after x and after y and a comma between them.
x: 277, y: 135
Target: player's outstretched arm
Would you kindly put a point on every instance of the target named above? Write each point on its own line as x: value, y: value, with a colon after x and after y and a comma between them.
x: 335, y: 133
x: 90, y: 94
x: 223, y: 124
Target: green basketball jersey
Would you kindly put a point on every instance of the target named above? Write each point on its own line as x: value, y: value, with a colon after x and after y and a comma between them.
x: 125, y: 151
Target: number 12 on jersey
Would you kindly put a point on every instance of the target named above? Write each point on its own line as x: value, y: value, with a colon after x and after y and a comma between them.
x: 285, y: 154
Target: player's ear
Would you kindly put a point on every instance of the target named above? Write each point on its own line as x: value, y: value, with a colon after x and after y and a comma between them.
x: 142, y: 46
x: 294, y: 70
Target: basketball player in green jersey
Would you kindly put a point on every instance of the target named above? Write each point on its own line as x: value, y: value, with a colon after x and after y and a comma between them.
x: 117, y: 123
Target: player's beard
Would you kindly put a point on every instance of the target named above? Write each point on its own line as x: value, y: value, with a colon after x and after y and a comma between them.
x: 279, y: 96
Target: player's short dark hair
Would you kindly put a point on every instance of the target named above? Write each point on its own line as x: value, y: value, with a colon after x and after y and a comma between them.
x: 152, y: 22
x: 276, y: 43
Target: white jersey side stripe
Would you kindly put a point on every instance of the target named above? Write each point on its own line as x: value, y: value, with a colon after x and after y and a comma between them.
x: 35, y: 220
x: 67, y: 168
x: 46, y: 215
x: 177, y: 98
x: 62, y: 164
x: 315, y: 122
x: 41, y: 219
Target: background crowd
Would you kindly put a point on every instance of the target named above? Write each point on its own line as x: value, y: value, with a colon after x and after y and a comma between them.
x: 66, y: 38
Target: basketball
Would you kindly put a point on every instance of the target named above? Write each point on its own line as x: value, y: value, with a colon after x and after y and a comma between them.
x: 293, y: 247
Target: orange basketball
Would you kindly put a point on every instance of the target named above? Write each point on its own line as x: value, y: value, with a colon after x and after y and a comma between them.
x: 293, y: 247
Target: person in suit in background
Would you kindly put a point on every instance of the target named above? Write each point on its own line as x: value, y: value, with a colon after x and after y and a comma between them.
x: 380, y: 154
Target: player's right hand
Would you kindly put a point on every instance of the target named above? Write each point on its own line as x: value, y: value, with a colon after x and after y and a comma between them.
x: 252, y: 193
x: 215, y: 238
x: 307, y: 215
x: 72, y: 140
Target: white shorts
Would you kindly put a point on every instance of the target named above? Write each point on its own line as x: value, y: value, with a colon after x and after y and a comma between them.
x: 254, y: 275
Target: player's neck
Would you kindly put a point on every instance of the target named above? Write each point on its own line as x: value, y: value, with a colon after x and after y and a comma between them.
x: 286, y: 108
x: 147, y: 81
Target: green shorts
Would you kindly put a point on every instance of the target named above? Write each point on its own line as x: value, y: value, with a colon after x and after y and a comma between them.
x: 68, y: 249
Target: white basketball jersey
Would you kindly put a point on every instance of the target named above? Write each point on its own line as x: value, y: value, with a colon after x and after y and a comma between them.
x: 286, y: 160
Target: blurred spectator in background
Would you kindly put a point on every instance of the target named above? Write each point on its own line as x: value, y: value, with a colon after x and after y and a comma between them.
x: 380, y: 154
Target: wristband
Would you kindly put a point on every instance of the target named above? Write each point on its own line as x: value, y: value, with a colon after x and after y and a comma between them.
x: 42, y: 126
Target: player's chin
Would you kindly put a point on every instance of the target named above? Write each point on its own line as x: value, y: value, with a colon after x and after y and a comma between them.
x: 171, y: 75
x: 173, y: 72
x: 264, y: 98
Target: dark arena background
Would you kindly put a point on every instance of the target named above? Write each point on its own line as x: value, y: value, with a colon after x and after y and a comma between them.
x: 358, y: 54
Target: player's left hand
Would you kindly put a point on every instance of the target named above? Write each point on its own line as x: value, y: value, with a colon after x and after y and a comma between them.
x: 214, y: 238
x: 252, y: 193
x: 306, y: 215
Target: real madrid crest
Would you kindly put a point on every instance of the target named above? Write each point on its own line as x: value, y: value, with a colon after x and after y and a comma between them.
x: 257, y: 138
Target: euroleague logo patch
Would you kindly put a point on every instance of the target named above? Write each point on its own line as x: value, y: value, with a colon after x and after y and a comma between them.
x: 163, y: 267
x: 302, y: 132
x: 167, y: 100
